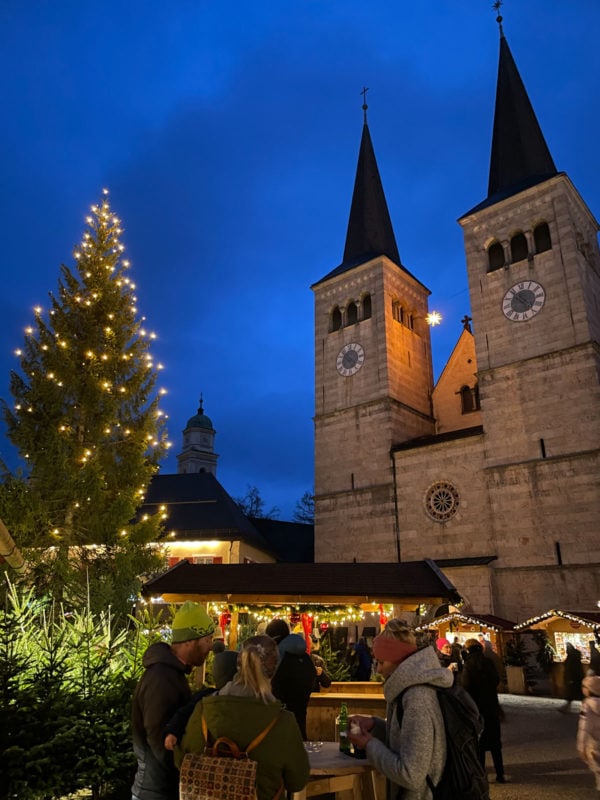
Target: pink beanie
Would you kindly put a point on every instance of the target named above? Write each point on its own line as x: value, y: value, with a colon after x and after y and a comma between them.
x: 441, y: 643
x: 386, y: 648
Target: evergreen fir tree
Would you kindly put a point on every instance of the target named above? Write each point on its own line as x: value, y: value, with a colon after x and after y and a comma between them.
x: 87, y: 423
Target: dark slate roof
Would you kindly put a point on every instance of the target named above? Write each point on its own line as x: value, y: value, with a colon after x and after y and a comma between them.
x: 520, y: 156
x: 468, y: 561
x: 347, y: 582
x: 198, y: 507
x: 370, y: 233
x: 438, y: 438
x: 290, y: 541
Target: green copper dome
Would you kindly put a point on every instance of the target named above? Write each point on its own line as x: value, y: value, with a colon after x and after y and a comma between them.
x: 200, y: 420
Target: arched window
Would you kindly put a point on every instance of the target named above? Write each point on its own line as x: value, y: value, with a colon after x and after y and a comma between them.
x: 466, y: 400
x: 336, y: 319
x: 351, y: 314
x: 518, y: 247
x: 541, y: 238
x: 476, y: 397
x: 495, y: 256
x: 366, y: 307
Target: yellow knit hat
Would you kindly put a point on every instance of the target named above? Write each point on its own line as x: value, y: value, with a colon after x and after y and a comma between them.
x: 191, y: 622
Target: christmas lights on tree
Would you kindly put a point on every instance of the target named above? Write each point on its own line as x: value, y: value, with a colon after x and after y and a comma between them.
x: 86, y: 415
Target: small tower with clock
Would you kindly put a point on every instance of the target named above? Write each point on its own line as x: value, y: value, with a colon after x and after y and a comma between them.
x: 373, y: 377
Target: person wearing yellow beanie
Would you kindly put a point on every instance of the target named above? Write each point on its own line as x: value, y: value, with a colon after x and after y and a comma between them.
x: 162, y: 689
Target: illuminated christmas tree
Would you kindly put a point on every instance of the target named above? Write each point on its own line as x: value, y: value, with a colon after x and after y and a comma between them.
x: 86, y: 421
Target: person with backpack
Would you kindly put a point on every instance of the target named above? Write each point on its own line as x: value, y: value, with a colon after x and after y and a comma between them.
x: 410, y: 748
x: 242, y: 711
x: 480, y: 679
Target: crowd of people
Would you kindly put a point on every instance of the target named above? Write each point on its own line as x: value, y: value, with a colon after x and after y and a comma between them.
x: 267, y: 684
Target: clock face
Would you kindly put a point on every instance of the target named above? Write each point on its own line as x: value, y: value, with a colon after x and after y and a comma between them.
x: 523, y: 301
x: 350, y: 359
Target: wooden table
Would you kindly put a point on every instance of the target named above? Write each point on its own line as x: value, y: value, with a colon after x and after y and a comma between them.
x: 331, y: 771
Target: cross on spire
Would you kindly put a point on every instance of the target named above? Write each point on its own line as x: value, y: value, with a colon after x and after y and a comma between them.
x: 365, y: 106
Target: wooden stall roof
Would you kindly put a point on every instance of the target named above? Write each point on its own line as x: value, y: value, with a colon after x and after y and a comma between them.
x: 488, y: 621
x: 410, y: 582
x: 591, y: 619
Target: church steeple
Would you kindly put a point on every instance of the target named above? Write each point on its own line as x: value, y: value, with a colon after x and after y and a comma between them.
x: 520, y: 156
x: 370, y: 231
x: 198, y: 451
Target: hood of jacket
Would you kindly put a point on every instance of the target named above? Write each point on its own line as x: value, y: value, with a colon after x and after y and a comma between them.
x: 421, y: 667
x: 244, y: 717
x: 293, y: 644
x: 161, y: 653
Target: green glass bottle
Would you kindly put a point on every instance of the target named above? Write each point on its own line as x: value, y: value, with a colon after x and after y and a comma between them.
x: 343, y: 729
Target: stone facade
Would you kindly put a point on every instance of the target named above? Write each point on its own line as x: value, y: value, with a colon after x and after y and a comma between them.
x: 404, y: 471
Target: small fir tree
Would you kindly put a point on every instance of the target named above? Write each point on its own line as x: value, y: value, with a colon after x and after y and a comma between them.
x: 87, y: 423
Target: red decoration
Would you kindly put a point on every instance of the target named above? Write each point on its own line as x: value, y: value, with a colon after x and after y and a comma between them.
x: 307, y: 626
x: 294, y: 618
x: 323, y: 626
x: 224, y: 619
x: 382, y: 616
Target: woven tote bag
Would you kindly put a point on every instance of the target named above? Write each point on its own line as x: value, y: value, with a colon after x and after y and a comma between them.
x: 222, y: 772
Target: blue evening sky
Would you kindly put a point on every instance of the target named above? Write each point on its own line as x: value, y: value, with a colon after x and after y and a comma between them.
x: 228, y: 135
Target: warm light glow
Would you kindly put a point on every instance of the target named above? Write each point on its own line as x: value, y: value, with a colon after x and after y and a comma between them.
x: 433, y: 318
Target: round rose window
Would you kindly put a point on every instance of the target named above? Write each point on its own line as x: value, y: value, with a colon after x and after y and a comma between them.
x: 441, y: 501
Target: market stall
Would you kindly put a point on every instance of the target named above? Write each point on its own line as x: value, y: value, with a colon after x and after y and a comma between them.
x: 566, y: 627
x: 459, y: 626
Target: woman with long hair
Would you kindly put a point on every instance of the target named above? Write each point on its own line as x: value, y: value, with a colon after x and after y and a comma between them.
x: 241, y: 710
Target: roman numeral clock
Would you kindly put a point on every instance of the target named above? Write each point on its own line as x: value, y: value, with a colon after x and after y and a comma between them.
x: 350, y: 359
x: 523, y: 301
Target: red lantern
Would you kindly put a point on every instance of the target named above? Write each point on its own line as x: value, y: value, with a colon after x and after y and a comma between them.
x: 382, y: 616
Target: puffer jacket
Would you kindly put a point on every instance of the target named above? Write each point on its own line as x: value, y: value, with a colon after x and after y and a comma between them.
x: 588, y: 734
x: 161, y: 690
x: 281, y: 755
x: 407, y: 755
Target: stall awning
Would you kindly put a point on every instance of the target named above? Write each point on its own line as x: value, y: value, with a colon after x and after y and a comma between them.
x: 487, y: 621
x: 590, y: 619
x: 411, y: 582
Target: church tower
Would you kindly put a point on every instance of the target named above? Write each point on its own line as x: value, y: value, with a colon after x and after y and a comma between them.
x: 198, y: 452
x: 373, y: 378
x: 534, y: 277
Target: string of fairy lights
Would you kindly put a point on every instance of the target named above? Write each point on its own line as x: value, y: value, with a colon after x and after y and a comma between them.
x: 97, y: 299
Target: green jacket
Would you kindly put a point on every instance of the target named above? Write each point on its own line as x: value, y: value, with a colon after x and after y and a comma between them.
x: 281, y: 754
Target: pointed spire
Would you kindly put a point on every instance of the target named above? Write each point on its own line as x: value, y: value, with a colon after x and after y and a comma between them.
x: 370, y: 230
x: 520, y: 156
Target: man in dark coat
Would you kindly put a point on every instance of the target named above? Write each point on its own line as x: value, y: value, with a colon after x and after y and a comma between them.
x: 573, y: 672
x: 480, y: 679
x: 296, y: 674
x: 161, y: 690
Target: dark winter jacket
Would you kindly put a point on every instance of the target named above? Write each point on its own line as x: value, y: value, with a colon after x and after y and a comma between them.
x: 323, y: 679
x: 480, y: 678
x: 407, y: 754
x: 295, y: 677
x: 573, y: 673
x: 281, y: 754
x: 161, y: 690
